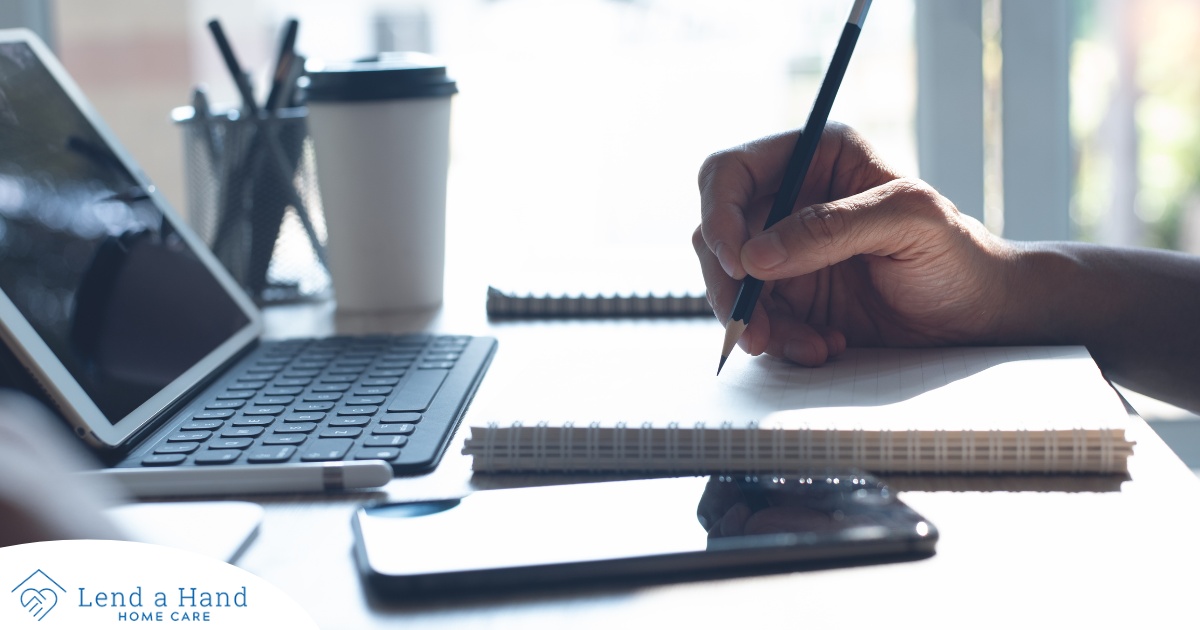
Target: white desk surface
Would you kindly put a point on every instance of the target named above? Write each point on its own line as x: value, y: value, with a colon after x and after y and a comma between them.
x: 1072, y: 553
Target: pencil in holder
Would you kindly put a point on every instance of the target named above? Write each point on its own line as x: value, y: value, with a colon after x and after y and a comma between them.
x: 252, y: 197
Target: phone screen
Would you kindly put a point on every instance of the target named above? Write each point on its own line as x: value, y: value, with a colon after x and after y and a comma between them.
x: 653, y: 528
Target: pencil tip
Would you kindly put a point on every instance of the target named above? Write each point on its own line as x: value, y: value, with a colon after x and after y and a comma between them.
x: 733, y: 331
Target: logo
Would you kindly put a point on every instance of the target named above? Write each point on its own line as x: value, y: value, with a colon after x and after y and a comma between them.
x: 39, y: 596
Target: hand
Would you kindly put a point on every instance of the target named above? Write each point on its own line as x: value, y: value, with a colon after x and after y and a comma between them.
x: 869, y: 258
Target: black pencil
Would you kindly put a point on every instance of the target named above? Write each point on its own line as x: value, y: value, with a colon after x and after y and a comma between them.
x: 797, y: 168
x: 235, y: 68
x: 283, y: 66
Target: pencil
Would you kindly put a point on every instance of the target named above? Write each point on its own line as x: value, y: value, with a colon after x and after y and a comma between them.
x: 797, y: 168
x: 235, y: 68
x: 283, y: 66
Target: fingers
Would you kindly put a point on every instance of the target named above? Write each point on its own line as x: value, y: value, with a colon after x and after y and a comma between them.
x: 720, y: 287
x: 731, y: 184
x: 888, y: 220
x: 738, y: 185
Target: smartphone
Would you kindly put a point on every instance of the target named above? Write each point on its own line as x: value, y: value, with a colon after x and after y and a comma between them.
x: 653, y: 529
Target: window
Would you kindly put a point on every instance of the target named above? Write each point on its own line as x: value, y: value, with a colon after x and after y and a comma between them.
x: 579, y: 124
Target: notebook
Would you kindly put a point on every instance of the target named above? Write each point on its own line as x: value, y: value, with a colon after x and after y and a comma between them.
x: 509, y: 304
x: 143, y: 342
x: 620, y: 281
x: 945, y: 410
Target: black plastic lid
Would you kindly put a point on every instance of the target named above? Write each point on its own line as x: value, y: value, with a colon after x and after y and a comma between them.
x: 388, y: 76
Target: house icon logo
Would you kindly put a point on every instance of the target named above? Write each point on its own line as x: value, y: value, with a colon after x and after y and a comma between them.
x: 38, y: 594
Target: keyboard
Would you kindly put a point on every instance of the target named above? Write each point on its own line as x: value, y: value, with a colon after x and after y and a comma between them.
x: 391, y: 398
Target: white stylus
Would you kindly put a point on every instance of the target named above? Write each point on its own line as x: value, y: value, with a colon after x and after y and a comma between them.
x: 266, y: 478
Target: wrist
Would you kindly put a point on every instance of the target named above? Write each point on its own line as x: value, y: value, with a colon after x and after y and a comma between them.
x: 1050, y: 296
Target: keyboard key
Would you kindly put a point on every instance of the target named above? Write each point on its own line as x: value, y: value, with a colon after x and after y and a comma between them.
x: 275, y: 362
x: 376, y: 441
x: 350, y: 421
x: 323, y: 396
x: 386, y: 454
x: 395, y: 364
x: 314, y: 406
x: 211, y: 414
x: 365, y: 410
x: 442, y: 356
x: 298, y: 427
x: 346, y: 369
x: 373, y: 391
x: 236, y: 394
x: 436, y: 365
x: 339, y: 378
x: 224, y: 443
x: 386, y: 373
x: 311, y: 365
x: 190, y: 436
x: 301, y: 372
x: 357, y: 401
x: 202, y: 425
x: 393, y: 429
x: 282, y: 391
x: 380, y: 382
x: 178, y: 447
x: 270, y: 454
x: 326, y: 450
x: 331, y: 387
x: 173, y: 459
x: 266, y: 401
x: 341, y: 432
x: 226, y: 404
x: 406, y: 416
x: 209, y: 458
x: 248, y: 385
x: 291, y: 382
x: 253, y: 421
x: 418, y: 391
x: 284, y: 438
x: 271, y: 410
x: 238, y: 432
x: 261, y: 372
x: 306, y: 416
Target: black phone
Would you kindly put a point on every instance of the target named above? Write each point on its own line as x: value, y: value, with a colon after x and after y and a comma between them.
x: 651, y: 529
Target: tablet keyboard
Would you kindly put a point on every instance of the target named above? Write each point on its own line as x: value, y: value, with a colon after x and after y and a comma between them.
x: 391, y: 398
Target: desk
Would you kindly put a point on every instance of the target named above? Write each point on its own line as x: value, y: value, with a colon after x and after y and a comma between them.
x: 1065, y: 557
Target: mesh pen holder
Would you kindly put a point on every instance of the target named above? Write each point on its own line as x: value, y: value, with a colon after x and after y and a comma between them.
x: 252, y: 197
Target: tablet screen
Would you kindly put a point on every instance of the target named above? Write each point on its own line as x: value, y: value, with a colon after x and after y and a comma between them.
x: 86, y: 255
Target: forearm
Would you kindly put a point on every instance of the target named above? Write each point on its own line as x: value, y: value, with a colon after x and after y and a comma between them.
x: 1136, y: 310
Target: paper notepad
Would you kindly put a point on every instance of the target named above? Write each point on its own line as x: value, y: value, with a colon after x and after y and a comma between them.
x: 945, y: 410
x: 619, y: 282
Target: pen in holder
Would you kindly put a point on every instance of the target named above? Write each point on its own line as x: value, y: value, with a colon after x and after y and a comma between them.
x: 252, y: 197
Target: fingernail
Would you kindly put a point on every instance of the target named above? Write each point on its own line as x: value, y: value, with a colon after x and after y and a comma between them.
x: 725, y: 257
x: 765, y: 250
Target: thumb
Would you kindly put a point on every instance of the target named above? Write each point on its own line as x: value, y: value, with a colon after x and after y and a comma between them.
x: 888, y: 220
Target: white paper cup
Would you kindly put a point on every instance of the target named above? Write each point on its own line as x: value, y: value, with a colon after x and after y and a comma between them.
x: 381, y: 135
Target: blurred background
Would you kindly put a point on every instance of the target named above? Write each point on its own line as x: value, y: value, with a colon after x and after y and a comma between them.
x: 1046, y: 119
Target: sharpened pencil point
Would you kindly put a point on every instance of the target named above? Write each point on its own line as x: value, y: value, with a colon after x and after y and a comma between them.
x: 733, y: 331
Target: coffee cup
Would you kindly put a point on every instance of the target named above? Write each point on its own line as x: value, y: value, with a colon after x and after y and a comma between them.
x: 381, y: 137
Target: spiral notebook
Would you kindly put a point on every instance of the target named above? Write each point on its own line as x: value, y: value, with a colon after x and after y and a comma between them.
x: 618, y: 283
x: 508, y: 304
x: 997, y: 410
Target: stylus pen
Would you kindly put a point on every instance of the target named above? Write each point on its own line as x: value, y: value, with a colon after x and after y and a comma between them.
x: 797, y: 168
x: 265, y: 478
